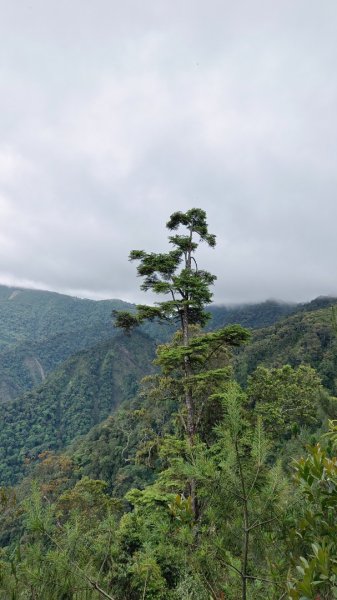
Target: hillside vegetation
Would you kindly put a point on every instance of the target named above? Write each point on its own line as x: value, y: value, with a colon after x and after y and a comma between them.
x: 40, y: 330
x: 43, y: 336
x: 74, y: 398
x: 35, y: 315
x: 167, y: 480
x: 307, y: 337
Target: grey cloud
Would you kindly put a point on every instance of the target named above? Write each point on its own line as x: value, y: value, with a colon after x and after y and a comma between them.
x: 113, y: 115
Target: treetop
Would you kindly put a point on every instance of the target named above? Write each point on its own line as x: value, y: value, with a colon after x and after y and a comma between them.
x: 195, y: 220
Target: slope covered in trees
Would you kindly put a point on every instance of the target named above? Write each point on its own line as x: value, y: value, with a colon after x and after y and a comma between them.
x: 36, y: 315
x: 87, y: 381
x: 40, y: 330
x: 263, y: 314
x: 307, y: 337
x: 194, y: 488
x: 75, y: 397
x: 28, y: 364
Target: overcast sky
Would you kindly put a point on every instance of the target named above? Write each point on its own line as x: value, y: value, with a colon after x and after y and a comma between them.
x: 115, y: 114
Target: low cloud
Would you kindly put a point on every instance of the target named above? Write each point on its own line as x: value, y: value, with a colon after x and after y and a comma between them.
x: 112, y: 117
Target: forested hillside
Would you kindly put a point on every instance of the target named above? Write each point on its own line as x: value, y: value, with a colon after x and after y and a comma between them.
x: 33, y: 315
x: 75, y: 397
x: 183, y: 485
x: 89, y: 377
x: 40, y: 330
x: 143, y: 469
x: 42, y: 334
x: 307, y: 337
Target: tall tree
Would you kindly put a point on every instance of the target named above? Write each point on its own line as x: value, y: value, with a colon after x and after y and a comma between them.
x: 176, y: 274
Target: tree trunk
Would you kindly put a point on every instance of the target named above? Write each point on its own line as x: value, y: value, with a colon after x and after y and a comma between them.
x: 189, y: 409
x: 245, y: 544
x: 188, y: 373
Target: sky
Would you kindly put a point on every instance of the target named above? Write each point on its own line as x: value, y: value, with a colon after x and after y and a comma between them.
x: 115, y: 114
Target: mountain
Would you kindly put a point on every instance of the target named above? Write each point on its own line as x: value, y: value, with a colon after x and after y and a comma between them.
x: 307, y: 337
x: 253, y: 316
x: 34, y: 315
x: 63, y: 368
x: 74, y: 398
x: 109, y: 450
x: 76, y: 511
x: 39, y: 330
x: 263, y: 314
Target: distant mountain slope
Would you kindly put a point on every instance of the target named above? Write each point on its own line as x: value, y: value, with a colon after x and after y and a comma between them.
x: 27, y: 364
x: 78, y: 395
x: 109, y: 449
x: 39, y: 330
x: 257, y: 315
x: 85, y: 389
x: 33, y: 315
x: 262, y: 314
x: 307, y: 337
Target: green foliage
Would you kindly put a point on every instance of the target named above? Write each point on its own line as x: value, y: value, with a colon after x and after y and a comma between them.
x: 82, y: 393
x: 160, y: 539
x: 316, y: 570
x: 250, y: 495
x: 176, y: 273
x: 181, y: 492
x: 286, y: 398
x: 61, y: 557
x: 201, y: 349
x: 253, y: 316
x: 306, y: 337
x: 125, y: 320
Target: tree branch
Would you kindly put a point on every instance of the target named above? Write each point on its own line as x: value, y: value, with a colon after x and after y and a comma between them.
x: 91, y: 582
x: 196, y: 264
x: 254, y: 482
x: 261, y: 523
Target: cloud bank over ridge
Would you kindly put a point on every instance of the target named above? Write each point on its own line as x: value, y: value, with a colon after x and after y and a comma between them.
x: 112, y: 117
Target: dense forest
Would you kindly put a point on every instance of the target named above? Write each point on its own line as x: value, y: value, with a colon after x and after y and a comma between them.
x: 179, y: 450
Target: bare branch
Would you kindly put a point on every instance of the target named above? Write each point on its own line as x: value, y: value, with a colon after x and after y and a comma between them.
x: 196, y: 264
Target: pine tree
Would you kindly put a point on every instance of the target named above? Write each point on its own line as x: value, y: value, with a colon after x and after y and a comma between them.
x: 176, y: 274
